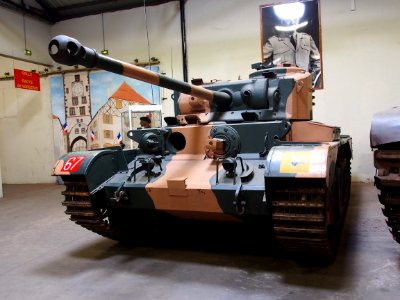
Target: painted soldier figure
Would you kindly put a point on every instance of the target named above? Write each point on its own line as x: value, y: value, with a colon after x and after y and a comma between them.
x: 295, y: 48
x: 145, y: 122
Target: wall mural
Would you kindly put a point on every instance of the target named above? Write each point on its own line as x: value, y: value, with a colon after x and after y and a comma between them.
x: 87, y: 107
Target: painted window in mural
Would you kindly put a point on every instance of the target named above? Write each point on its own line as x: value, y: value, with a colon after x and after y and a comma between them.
x: 107, y: 119
x: 87, y: 108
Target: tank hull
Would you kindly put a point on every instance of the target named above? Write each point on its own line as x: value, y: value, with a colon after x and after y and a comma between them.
x: 385, y: 139
x: 299, y: 190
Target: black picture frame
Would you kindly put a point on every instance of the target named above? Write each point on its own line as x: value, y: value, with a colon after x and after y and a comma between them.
x: 269, y: 21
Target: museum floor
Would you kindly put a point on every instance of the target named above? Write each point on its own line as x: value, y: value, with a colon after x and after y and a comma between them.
x: 43, y: 255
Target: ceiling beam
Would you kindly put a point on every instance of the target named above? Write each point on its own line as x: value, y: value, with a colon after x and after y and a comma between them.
x: 51, y: 15
x: 30, y: 11
x: 98, y: 7
x: 50, y: 12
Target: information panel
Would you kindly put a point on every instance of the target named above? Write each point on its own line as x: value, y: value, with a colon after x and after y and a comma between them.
x: 26, y: 80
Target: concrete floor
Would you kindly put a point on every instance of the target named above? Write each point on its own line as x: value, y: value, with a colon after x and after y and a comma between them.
x: 43, y: 255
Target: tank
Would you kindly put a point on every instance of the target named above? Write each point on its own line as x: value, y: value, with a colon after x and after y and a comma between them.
x: 385, y: 141
x: 240, y: 152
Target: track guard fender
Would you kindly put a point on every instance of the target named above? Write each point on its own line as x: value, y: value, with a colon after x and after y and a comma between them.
x: 301, y: 161
x: 96, y: 166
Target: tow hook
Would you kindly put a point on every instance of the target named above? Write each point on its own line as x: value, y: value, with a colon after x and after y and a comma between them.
x: 238, y: 202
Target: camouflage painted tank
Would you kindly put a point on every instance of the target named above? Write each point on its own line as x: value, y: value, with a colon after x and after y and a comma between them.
x: 385, y: 139
x: 240, y: 151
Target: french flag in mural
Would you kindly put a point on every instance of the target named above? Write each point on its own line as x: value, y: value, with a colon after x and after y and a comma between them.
x: 92, y: 136
x: 119, y: 136
x: 65, y: 128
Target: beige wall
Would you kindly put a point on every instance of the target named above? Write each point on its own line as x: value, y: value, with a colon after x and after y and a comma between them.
x: 26, y: 146
x: 359, y: 55
x: 12, y: 36
x: 125, y: 37
x: 26, y: 135
x: 1, y: 184
x: 360, y: 52
x: 360, y: 59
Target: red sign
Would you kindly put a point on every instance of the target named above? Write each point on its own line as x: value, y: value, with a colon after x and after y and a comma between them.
x: 72, y: 164
x: 26, y: 80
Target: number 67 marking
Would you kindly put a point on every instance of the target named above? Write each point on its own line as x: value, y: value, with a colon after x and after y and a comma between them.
x: 73, y: 163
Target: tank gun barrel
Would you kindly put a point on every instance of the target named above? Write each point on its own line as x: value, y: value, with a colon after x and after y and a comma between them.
x: 69, y: 51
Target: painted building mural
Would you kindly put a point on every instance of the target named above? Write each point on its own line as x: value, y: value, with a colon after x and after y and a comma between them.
x: 77, y: 110
x: 87, y: 108
x: 106, y: 124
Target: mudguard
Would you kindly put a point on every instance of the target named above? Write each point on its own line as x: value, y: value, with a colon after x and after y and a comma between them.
x: 96, y: 166
x: 385, y: 127
x: 302, y: 161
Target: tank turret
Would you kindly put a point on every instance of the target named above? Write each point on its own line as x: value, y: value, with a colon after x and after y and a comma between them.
x: 238, y: 151
x: 275, y: 93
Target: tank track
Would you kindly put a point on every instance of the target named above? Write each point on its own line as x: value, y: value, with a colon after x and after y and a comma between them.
x: 389, y: 197
x: 300, y: 222
x: 308, y: 221
x: 83, y: 211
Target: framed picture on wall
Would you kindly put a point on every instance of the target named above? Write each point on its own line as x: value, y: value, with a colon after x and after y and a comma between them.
x: 291, y: 34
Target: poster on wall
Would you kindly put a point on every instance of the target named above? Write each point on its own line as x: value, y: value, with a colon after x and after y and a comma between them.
x: 26, y: 80
x: 291, y: 34
x: 87, y: 106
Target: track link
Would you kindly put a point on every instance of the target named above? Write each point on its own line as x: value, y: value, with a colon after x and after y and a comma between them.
x: 390, y: 199
x: 83, y: 211
x: 309, y: 221
x: 387, y: 180
x: 300, y: 225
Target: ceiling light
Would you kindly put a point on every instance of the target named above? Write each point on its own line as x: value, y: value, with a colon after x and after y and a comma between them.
x: 289, y: 11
